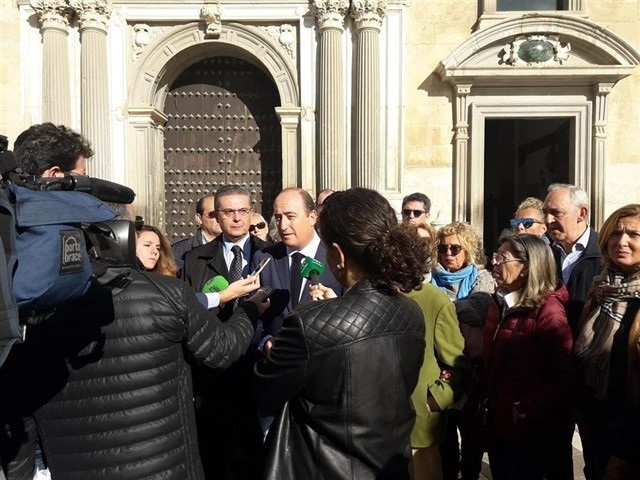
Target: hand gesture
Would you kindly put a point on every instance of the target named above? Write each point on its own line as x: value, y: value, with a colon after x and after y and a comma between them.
x: 239, y: 288
x: 320, y: 292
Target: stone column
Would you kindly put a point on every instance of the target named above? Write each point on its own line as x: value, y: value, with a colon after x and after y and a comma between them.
x: 331, y: 160
x: 93, y: 20
x: 367, y: 164
x: 53, y: 16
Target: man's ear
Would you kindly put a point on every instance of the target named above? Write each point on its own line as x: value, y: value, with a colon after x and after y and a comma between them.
x: 313, y: 216
x: 199, y: 219
x: 583, y: 214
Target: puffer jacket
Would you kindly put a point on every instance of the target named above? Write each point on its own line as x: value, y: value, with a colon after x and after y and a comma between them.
x: 340, y: 378
x: 107, y: 381
x: 528, y: 359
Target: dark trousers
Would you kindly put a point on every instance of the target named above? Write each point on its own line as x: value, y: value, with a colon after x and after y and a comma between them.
x: 512, y: 459
x: 558, y: 450
x: 464, y: 457
x: 229, y: 434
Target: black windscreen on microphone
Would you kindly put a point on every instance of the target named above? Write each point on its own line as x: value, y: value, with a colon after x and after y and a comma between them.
x: 103, y: 189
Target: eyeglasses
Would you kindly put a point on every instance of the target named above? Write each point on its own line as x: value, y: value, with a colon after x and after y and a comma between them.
x: 230, y: 212
x: 454, y: 249
x: 257, y: 226
x: 406, y: 212
x: 526, y: 222
x: 498, y: 258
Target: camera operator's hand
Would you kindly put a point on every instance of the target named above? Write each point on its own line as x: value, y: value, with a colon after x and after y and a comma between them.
x: 260, y: 301
x: 239, y: 288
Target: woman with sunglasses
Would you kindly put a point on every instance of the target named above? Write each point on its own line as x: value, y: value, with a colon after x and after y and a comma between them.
x: 259, y: 228
x: 460, y: 273
x: 528, y: 374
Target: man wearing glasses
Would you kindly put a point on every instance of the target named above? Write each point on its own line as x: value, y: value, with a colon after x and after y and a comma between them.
x: 530, y: 219
x: 416, y: 208
x: 229, y: 435
x: 208, y: 229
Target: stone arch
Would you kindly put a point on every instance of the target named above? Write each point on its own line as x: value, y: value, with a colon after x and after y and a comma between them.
x: 165, y: 58
x: 598, y: 60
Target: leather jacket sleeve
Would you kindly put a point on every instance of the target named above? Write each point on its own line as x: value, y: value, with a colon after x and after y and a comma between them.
x: 280, y: 376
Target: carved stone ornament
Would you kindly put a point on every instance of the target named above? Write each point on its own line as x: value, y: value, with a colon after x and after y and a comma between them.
x: 285, y: 35
x: 52, y: 13
x: 92, y: 13
x: 368, y: 13
x: 210, y: 13
x: 535, y: 50
x: 330, y: 13
x: 143, y: 35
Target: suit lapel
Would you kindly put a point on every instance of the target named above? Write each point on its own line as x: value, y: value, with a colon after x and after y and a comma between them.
x: 217, y: 262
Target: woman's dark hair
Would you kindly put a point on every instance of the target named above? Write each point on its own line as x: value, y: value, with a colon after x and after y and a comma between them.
x: 391, y: 255
x: 166, y: 264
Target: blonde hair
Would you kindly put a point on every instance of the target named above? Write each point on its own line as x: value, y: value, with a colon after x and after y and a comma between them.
x: 469, y: 240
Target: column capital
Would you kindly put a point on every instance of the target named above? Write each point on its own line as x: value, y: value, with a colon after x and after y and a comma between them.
x: 53, y: 13
x: 368, y: 13
x: 330, y: 13
x: 92, y: 13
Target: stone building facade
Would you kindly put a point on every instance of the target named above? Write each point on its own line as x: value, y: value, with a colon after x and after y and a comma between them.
x: 474, y: 103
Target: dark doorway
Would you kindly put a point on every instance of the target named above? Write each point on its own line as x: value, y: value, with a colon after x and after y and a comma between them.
x: 522, y: 157
x: 222, y: 129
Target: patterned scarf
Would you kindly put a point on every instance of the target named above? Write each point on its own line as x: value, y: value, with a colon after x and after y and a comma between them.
x: 613, y: 291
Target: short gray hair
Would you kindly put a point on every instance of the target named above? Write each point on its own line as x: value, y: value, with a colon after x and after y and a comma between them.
x: 577, y: 195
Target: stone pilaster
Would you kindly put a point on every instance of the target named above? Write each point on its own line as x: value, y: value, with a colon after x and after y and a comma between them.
x: 54, y: 16
x: 600, y: 121
x: 93, y: 20
x: 367, y: 162
x: 461, y: 169
x: 331, y: 162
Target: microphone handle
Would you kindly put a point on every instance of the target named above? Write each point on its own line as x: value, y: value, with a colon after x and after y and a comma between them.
x: 103, y: 189
x: 314, y: 278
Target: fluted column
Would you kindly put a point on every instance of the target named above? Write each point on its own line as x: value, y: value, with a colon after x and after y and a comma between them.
x: 53, y: 16
x: 598, y: 172
x: 331, y: 162
x: 93, y: 20
x: 367, y: 163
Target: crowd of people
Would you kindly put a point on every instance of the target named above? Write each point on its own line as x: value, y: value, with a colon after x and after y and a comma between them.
x: 384, y: 348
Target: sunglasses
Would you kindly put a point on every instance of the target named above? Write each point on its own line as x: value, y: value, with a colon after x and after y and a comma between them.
x: 211, y: 214
x: 526, y: 222
x: 257, y: 226
x: 454, y: 249
x: 406, y: 212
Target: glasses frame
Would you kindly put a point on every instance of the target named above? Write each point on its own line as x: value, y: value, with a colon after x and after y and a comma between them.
x: 257, y: 226
x: 443, y: 249
x: 406, y: 212
x: 527, y: 223
x: 496, y: 261
x: 230, y: 212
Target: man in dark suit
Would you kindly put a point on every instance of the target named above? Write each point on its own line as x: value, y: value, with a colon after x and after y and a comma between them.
x: 295, y: 214
x: 229, y: 434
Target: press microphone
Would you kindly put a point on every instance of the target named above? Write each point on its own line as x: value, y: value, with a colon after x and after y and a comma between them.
x: 215, y: 284
x: 103, y: 189
x: 311, y: 269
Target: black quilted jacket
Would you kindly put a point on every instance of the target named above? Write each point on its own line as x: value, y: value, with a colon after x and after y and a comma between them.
x: 340, y: 377
x: 108, y: 381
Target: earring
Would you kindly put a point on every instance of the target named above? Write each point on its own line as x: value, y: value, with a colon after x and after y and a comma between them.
x: 339, y: 266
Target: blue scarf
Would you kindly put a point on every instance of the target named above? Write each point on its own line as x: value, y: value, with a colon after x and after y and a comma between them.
x: 466, y: 277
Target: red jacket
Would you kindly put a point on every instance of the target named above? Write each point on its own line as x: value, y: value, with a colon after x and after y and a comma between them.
x: 528, y: 359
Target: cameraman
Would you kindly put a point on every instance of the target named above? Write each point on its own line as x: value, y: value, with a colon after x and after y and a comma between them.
x: 105, y: 378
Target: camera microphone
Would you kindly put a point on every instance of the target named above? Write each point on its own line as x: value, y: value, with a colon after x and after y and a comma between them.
x: 103, y: 189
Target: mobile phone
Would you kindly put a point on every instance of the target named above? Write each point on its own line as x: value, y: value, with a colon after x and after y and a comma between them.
x: 261, y: 265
